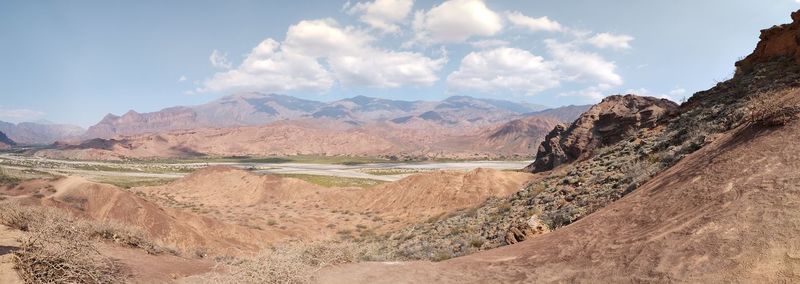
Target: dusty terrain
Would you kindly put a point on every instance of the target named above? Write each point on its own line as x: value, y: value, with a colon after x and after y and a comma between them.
x: 225, y: 210
x: 9, y: 240
x: 675, y: 228
x: 301, y: 210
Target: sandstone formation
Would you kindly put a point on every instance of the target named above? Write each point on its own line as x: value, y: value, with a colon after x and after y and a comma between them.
x: 781, y: 41
x: 603, y: 124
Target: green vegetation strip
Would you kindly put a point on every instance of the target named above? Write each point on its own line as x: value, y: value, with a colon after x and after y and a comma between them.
x: 332, y: 181
x: 130, y: 182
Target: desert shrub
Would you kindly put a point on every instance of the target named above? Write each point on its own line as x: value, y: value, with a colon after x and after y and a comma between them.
x: 124, y: 235
x: 774, y: 108
x: 59, y: 248
x: 24, y: 217
x: 295, y: 263
x: 55, y: 250
x: 561, y: 217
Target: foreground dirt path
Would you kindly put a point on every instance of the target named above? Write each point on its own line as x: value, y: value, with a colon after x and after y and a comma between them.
x: 8, y: 242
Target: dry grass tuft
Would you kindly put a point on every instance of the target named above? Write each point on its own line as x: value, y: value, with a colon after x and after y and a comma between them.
x: 295, y: 263
x: 774, y: 108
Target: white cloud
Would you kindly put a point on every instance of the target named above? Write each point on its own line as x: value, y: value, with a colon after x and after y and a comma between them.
x: 219, y: 60
x: 296, y: 64
x: 321, y: 38
x: 383, y: 15
x: 268, y: 68
x: 489, y: 43
x: 521, y: 72
x: 607, y: 40
x: 533, y: 24
x: 387, y: 69
x: 19, y: 114
x: 508, y: 69
x: 455, y: 21
x: 578, y: 65
x: 182, y: 79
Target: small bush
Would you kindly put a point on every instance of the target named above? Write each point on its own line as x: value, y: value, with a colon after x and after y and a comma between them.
x: 774, y: 108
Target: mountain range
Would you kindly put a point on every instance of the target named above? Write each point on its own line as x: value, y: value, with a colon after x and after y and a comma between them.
x: 255, y: 124
x: 39, y: 133
x: 254, y: 109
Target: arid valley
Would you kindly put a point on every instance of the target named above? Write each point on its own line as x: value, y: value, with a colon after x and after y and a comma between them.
x: 400, y: 141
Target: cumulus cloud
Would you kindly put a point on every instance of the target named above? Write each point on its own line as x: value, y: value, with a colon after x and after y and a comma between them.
x: 268, y: 68
x: 219, y: 60
x: 507, y: 69
x: 455, y: 21
x: 579, y: 65
x: 383, y: 15
x: 533, y: 24
x: 19, y: 114
x: 607, y: 40
x: 521, y: 72
x: 349, y: 56
x: 182, y: 78
x: 322, y: 38
x: 388, y: 69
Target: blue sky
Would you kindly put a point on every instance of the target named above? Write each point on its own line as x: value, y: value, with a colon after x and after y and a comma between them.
x: 75, y: 61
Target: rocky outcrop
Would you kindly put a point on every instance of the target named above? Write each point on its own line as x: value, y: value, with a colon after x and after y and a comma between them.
x: 603, y: 124
x: 552, y: 146
x: 781, y: 41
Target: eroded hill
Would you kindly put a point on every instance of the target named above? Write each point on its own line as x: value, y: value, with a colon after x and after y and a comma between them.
x: 708, y: 197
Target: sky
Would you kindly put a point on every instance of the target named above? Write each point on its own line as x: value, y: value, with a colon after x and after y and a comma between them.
x: 75, y: 61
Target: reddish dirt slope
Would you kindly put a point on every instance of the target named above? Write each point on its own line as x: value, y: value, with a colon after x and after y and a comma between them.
x: 727, y: 213
x: 175, y: 227
x: 298, y: 209
x: 424, y: 195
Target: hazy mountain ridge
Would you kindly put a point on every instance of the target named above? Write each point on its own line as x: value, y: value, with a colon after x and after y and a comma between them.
x: 254, y: 109
x: 39, y: 133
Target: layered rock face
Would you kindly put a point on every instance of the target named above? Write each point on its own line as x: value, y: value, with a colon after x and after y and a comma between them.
x: 605, y: 123
x: 777, y: 42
